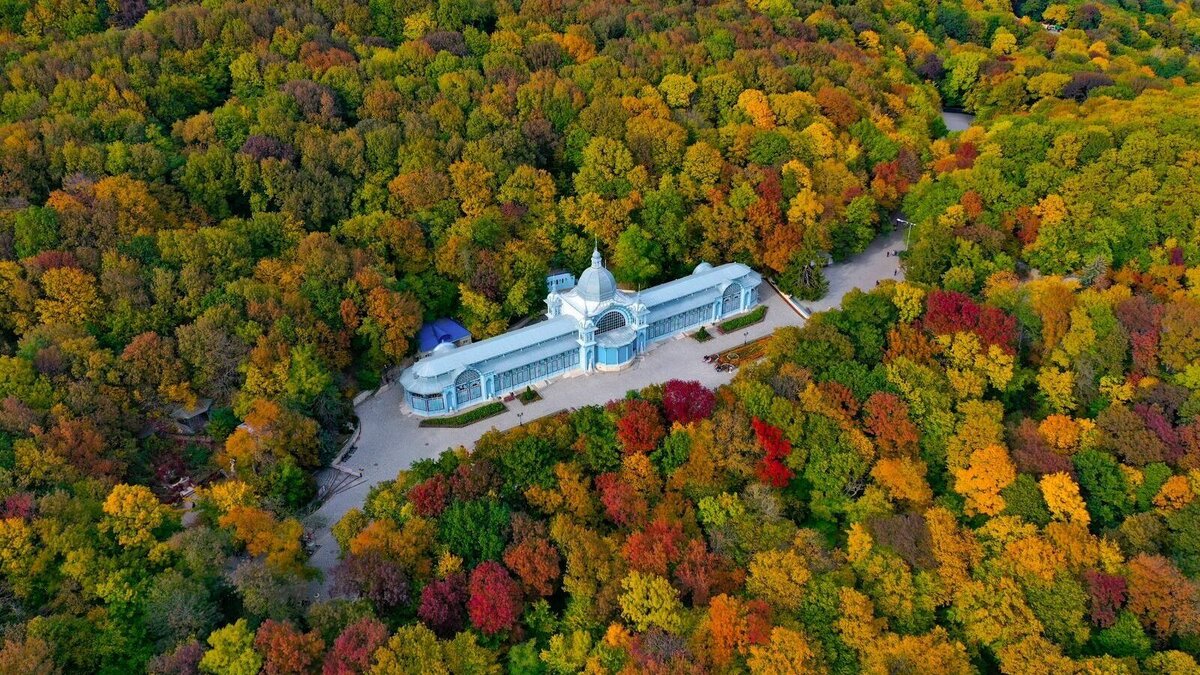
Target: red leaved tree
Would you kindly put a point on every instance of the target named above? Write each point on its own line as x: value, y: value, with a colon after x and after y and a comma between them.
x: 429, y: 497
x: 1162, y: 597
x: 772, y: 469
x: 703, y: 573
x: 1107, y: 593
x: 536, y: 561
x: 287, y: 651
x: 444, y: 605
x: 495, y: 603
x: 640, y: 427
x: 952, y: 312
x: 887, y: 420
x: 949, y: 312
x: 997, y: 327
x: 622, y: 503
x: 687, y: 401
x: 352, y: 650
x: 655, y: 549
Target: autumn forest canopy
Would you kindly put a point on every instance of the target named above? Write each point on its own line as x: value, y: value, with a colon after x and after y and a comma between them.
x: 249, y: 208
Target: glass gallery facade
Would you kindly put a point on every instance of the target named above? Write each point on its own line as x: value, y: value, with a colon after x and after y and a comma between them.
x: 593, y: 326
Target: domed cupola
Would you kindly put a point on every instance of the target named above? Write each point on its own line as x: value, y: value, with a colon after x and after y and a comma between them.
x: 596, y: 284
x: 702, y: 268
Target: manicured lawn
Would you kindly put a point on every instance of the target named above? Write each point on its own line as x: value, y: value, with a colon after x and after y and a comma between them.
x: 470, y: 417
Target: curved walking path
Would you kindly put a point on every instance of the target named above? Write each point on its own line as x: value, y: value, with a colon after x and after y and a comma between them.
x: 391, y: 439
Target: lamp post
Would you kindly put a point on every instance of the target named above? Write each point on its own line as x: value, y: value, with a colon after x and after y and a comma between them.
x: 908, y: 232
x: 745, y: 337
x: 519, y: 416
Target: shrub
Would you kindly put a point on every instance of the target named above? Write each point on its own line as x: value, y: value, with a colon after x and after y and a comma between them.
x: 740, y: 322
x: 470, y: 417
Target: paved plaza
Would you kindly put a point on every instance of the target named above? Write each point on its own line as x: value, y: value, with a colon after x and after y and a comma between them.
x: 391, y: 439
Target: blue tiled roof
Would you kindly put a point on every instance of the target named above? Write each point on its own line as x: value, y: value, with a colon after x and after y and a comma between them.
x: 711, y: 279
x: 441, y: 330
x: 432, y: 373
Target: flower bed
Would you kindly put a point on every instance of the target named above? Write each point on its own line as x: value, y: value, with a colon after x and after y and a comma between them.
x: 751, y: 351
x: 470, y: 417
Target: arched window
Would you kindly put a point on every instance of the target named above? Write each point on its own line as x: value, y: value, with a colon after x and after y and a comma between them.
x: 611, y: 321
x: 731, y: 300
x: 467, y: 387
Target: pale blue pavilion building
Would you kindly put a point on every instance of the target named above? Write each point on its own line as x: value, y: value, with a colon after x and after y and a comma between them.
x: 593, y: 326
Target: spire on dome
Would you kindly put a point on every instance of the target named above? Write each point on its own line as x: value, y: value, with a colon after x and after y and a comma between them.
x: 596, y: 284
